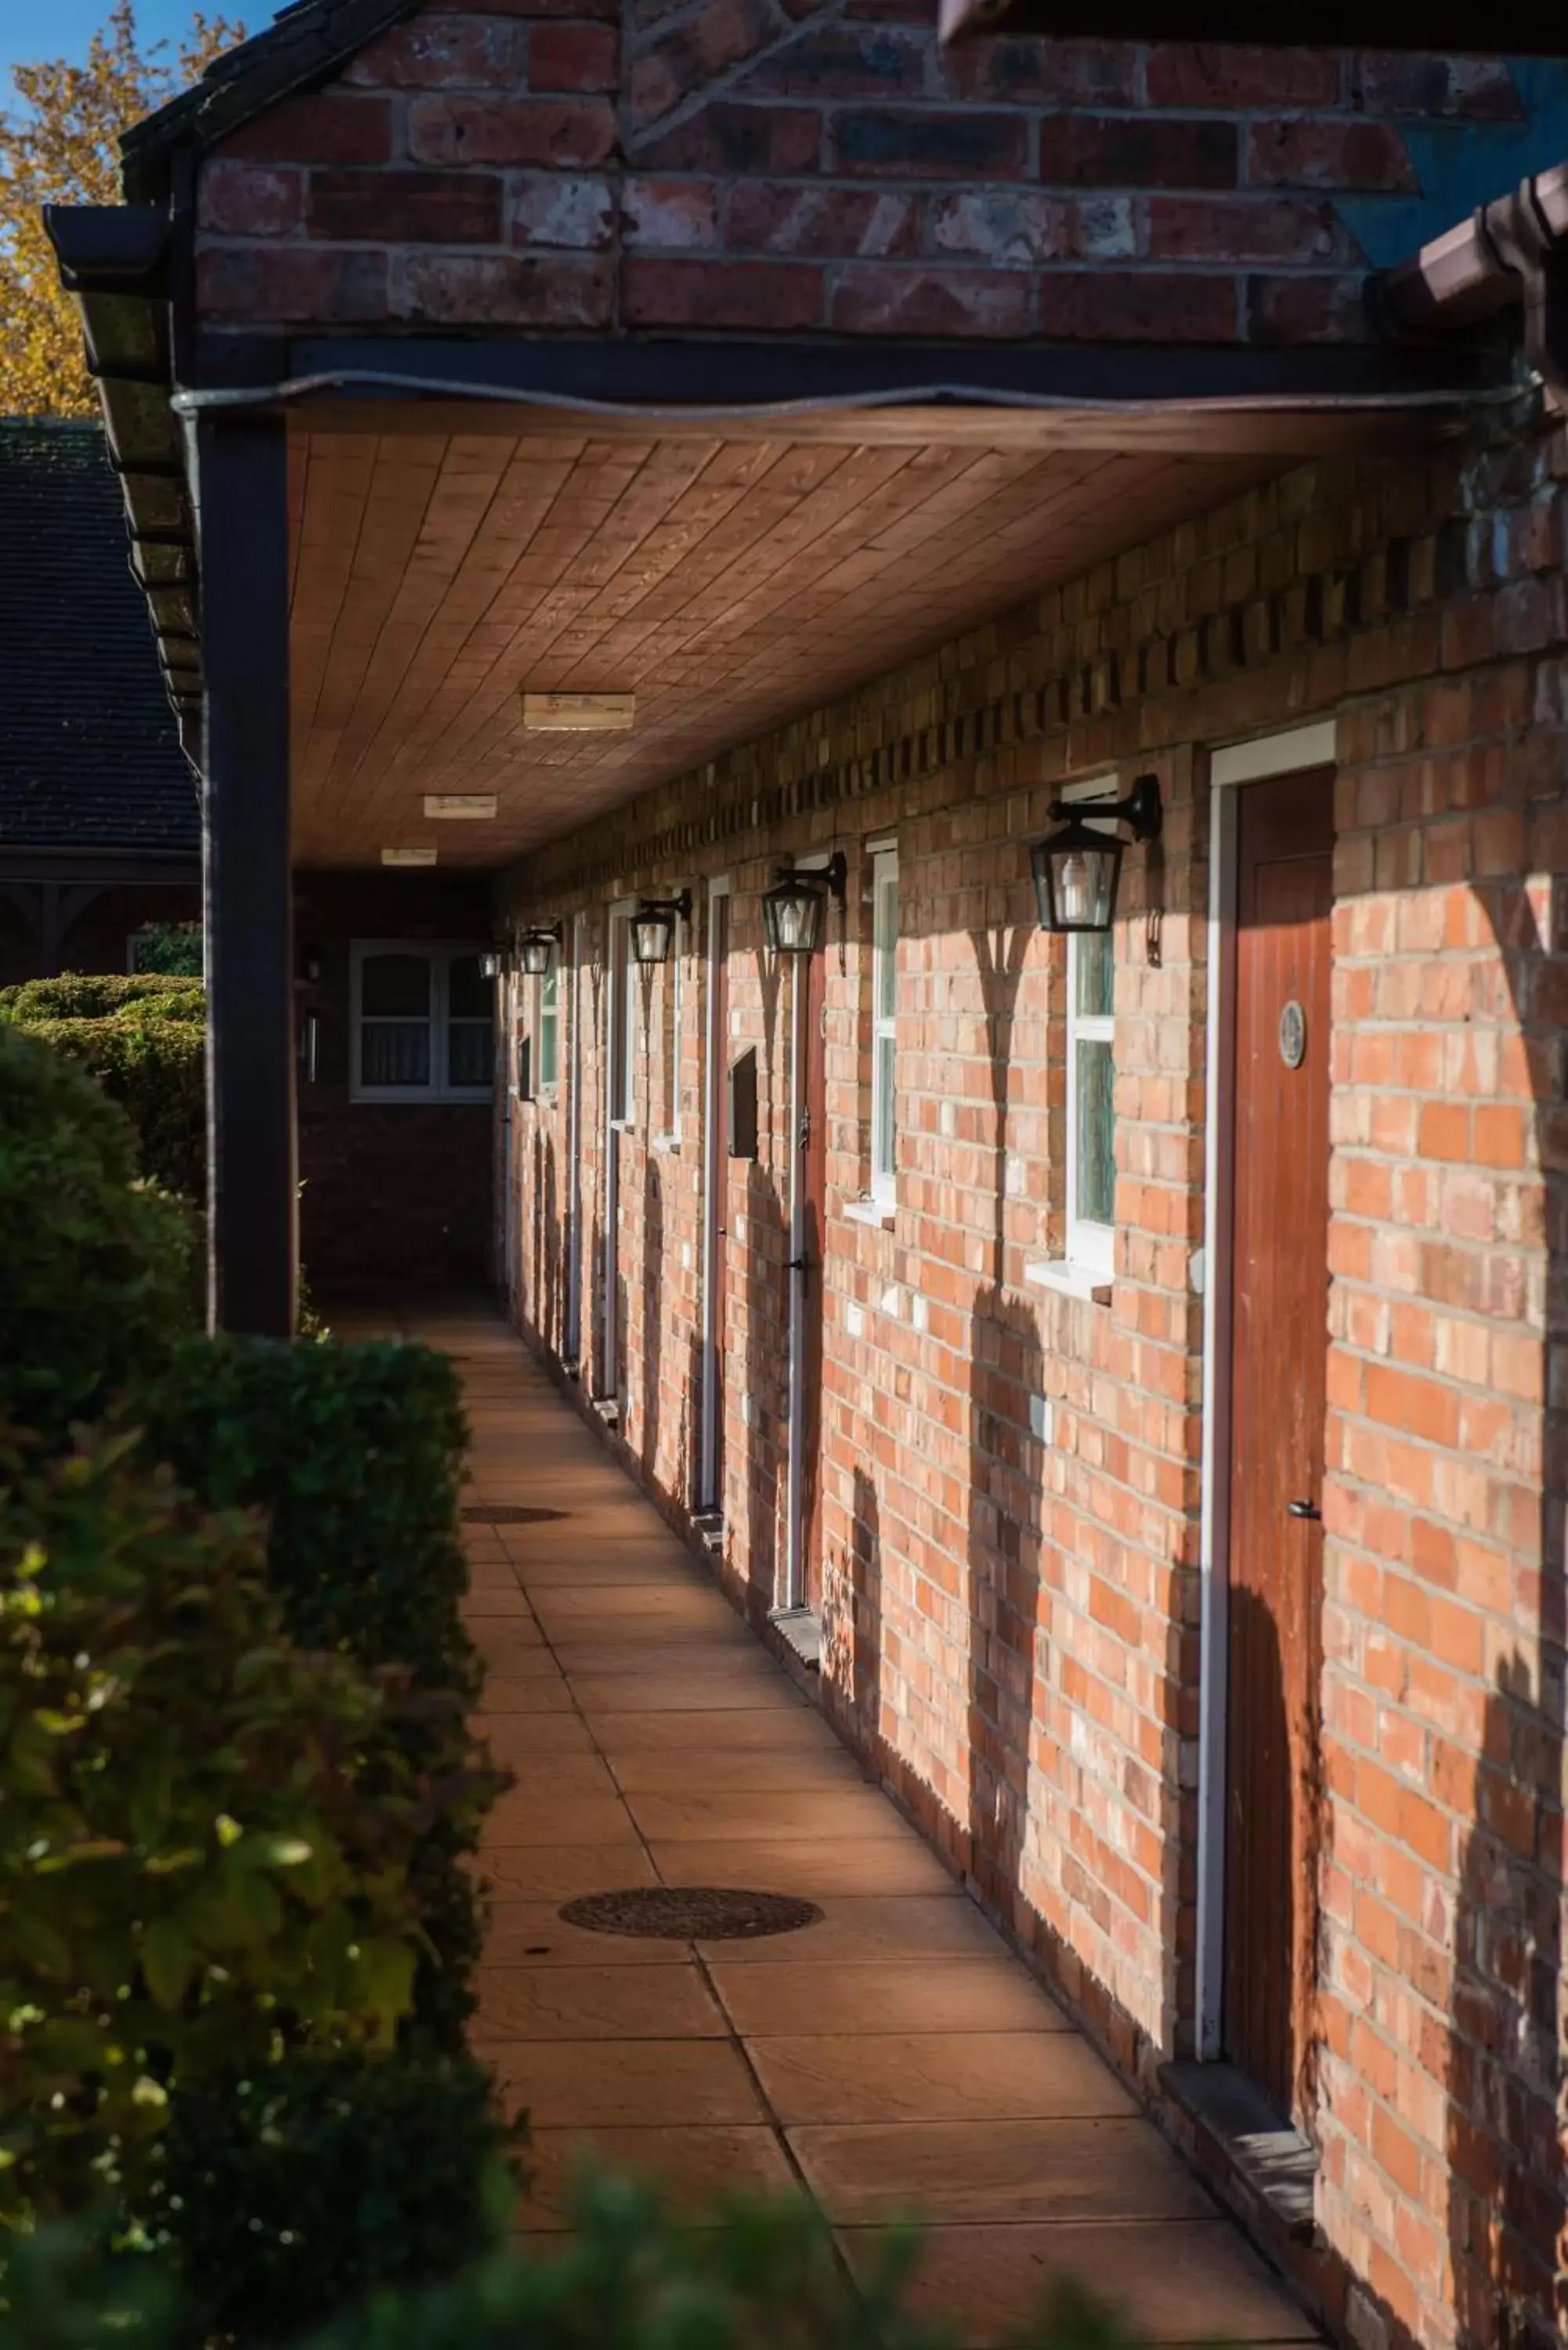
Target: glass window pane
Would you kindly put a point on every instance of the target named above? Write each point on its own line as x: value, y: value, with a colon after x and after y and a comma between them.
x: 882, y: 1140
x: 396, y: 986
x: 547, y: 1052
x: 469, y: 1052
x: 395, y: 1053
x: 468, y: 989
x: 887, y: 935
x: 1095, y: 1163
x: 1096, y: 973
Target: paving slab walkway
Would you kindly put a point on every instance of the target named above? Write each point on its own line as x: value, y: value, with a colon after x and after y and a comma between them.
x: 895, y: 2056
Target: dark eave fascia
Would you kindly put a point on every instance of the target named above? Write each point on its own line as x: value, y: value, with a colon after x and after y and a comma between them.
x: 106, y: 864
x: 304, y: 46
x: 118, y: 261
x: 1511, y: 251
x: 1514, y: 28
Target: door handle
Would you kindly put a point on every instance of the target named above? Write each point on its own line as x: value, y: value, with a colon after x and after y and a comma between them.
x: 798, y: 1265
x: 1303, y: 1510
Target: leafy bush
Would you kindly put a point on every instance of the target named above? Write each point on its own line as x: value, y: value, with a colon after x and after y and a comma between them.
x: 173, y: 947
x: 100, y: 995
x: 292, y: 2193
x: 152, y: 1061
x: 355, y: 1453
x: 764, y: 2278
x: 100, y: 1277
x: 204, y: 1835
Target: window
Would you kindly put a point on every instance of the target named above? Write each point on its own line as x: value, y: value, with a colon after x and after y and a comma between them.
x: 883, y: 1025
x: 673, y: 977
x: 549, y: 1027
x: 422, y: 1019
x: 1091, y: 1111
x: 622, y: 1023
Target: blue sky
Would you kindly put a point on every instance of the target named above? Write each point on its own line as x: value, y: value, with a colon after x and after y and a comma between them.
x: 62, y: 28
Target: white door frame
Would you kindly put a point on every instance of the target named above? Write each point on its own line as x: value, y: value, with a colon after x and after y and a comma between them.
x: 1252, y: 762
x: 715, y: 1178
x: 572, y: 944
x: 616, y: 944
x: 507, y: 1069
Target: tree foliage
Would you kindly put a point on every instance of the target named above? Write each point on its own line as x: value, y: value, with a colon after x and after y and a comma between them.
x: 61, y: 146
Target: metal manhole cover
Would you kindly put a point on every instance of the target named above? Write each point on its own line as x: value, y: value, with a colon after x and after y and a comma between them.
x: 690, y: 1913
x: 506, y: 1514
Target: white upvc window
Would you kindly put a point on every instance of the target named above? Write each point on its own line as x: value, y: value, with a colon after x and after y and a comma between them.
x: 622, y: 1021
x: 423, y: 1022
x: 883, y: 1025
x: 675, y: 978
x: 547, y: 1028
x: 1091, y: 1201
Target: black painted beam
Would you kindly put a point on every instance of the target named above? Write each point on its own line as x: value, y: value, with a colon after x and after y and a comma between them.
x: 252, y: 1247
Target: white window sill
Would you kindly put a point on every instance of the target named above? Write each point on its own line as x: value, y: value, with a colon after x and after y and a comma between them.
x: 665, y: 1142
x: 1081, y: 1281
x: 881, y: 1214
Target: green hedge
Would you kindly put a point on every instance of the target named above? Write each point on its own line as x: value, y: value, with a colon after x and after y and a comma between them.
x: 100, y: 995
x: 99, y: 1275
x: 155, y: 1068
x: 205, y: 1834
x: 294, y: 2192
x: 758, y: 2277
x: 355, y: 1453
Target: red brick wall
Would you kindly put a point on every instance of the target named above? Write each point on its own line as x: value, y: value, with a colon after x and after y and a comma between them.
x: 396, y: 1195
x: 562, y: 165
x: 1012, y: 1518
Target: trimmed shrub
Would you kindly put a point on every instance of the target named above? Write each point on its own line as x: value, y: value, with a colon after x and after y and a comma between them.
x: 100, y: 995
x: 100, y: 1278
x: 291, y: 2194
x: 152, y: 1061
x: 170, y: 947
x: 762, y: 2276
x: 354, y: 1455
x: 204, y: 1835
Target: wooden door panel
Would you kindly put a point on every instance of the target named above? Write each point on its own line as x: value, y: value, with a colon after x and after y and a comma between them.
x: 1279, y: 1341
x: 719, y: 1094
x: 813, y: 1140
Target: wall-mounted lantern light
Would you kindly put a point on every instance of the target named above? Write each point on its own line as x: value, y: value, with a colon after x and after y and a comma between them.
x: 793, y: 908
x: 493, y: 962
x: 653, y: 926
x: 536, y: 948
x: 1076, y: 870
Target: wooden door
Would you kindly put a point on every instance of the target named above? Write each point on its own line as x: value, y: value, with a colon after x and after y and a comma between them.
x: 1279, y: 1341
x: 812, y: 1144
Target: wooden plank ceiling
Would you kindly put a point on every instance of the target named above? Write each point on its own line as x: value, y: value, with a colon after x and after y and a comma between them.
x: 730, y: 583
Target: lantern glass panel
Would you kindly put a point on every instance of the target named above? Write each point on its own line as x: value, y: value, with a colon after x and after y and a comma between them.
x: 650, y: 936
x: 535, y: 953
x: 1076, y: 876
x: 792, y: 916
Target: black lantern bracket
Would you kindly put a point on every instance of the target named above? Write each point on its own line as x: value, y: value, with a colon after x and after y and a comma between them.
x: 833, y: 877
x: 679, y: 907
x: 1142, y: 810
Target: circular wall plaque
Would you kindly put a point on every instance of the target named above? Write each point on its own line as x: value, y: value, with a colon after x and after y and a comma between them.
x: 1293, y: 1035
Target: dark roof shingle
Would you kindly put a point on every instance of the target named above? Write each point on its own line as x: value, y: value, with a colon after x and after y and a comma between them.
x: 89, y: 756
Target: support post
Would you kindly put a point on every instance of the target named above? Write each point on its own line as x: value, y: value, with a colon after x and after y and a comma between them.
x: 252, y: 1224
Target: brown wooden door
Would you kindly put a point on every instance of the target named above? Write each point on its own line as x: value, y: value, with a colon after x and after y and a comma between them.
x: 1278, y: 1361
x: 812, y: 1143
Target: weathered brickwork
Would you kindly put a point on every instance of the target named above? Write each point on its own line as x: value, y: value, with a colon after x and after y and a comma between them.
x: 1011, y: 1502
x: 743, y: 166
x: 390, y: 1190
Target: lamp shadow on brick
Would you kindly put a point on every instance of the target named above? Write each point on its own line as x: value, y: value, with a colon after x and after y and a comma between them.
x: 1004, y: 1492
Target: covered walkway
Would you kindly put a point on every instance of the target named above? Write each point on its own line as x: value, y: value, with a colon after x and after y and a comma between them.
x: 894, y: 2056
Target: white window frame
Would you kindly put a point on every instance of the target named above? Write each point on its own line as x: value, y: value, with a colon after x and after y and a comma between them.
x: 884, y: 1027
x: 439, y: 953
x: 1091, y: 1245
x: 546, y: 1089
x: 674, y: 978
x: 621, y: 968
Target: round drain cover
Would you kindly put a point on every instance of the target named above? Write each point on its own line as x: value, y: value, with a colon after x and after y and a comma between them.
x: 690, y: 1913
x: 507, y: 1514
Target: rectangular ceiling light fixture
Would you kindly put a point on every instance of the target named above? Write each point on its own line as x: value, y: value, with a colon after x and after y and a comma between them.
x: 408, y: 856
x: 592, y: 713
x: 477, y: 806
